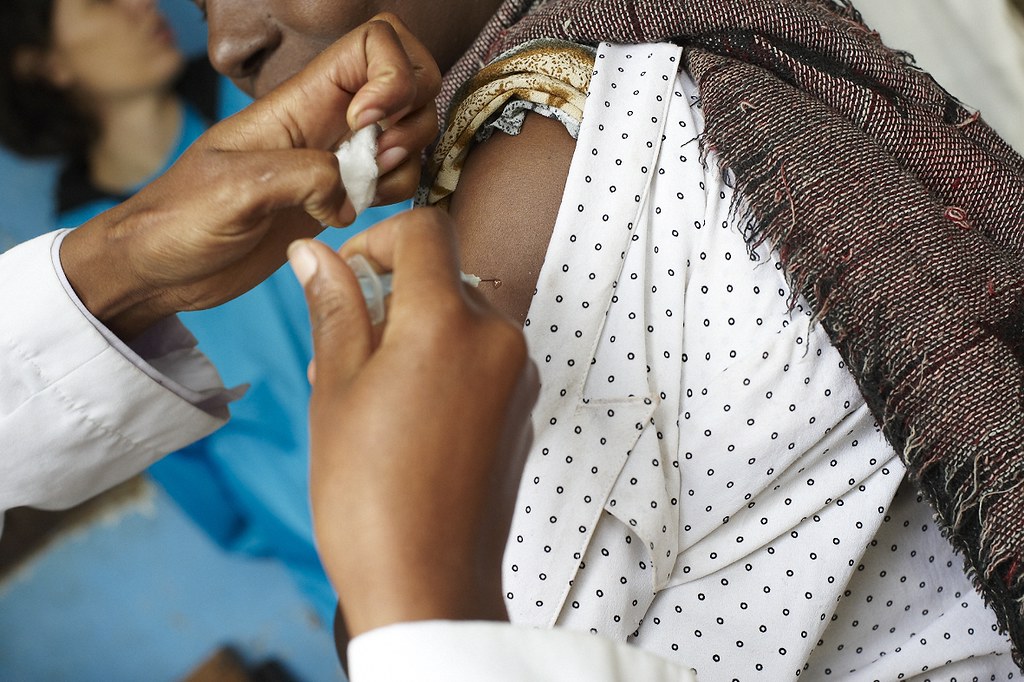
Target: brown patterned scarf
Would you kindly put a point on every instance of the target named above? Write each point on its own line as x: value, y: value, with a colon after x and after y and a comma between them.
x: 896, y: 211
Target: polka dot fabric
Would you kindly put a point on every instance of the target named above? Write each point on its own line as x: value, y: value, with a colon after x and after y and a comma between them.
x: 706, y: 481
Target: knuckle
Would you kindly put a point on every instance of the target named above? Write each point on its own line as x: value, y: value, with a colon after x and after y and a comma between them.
x: 430, y: 76
x: 430, y: 219
x: 327, y: 307
x: 410, y: 224
x: 327, y: 325
x: 245, y: 194
x: 447, y: 327
x: 323, y: 175
x: 424, y: 127
x: 401, y: 182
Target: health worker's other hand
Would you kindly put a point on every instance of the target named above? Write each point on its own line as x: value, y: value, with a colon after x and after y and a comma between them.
x: 219, y: 221
x: 419, y: 431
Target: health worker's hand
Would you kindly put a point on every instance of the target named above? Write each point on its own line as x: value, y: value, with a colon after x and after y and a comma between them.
x: 419, y: 429
x: 219, y: 221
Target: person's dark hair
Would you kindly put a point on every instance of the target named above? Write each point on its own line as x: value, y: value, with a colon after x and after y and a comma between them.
x: 36, y: 117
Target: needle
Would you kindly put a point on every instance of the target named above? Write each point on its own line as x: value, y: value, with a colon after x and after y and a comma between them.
x: 376, y: 287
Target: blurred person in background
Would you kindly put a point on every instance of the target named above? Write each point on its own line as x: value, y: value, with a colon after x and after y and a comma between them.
x: 105, y: 87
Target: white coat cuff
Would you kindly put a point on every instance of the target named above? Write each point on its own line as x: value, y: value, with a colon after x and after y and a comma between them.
x: 77, y: 415
x: 449, y: 651
x: 166, y: 353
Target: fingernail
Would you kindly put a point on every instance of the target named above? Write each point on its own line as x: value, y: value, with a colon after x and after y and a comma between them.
x: 303, y: 261
x: 391, y: 159
x: 368, y: 117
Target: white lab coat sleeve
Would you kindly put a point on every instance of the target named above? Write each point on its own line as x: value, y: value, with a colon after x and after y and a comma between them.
x: 457, y: 651
x: 79, y: 414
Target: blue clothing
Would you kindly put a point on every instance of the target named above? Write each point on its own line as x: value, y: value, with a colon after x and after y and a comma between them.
x: 246, y: 484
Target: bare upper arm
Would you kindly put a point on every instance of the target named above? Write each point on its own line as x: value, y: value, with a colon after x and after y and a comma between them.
x: 505, y: 208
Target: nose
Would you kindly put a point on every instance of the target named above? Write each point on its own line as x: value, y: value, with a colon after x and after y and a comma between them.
x: 240, y: 39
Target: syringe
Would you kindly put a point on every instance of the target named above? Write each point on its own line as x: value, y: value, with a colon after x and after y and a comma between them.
x: 377, y: 286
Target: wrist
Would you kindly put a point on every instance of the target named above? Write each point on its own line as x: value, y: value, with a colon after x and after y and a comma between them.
x: 97, y: 261
x: 414, y: 592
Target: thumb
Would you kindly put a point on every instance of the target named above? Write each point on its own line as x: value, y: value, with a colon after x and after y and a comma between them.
x: 342, y: 333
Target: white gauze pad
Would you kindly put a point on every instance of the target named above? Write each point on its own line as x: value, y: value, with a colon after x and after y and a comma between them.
x: 357, y: 160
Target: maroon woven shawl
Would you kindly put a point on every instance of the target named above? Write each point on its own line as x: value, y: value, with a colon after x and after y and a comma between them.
x: 896, y: 211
